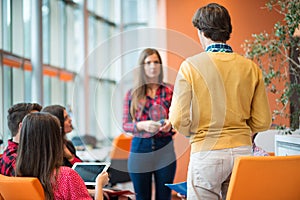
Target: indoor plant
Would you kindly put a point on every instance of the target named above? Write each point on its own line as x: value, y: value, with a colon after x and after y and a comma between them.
x: 277, y: 54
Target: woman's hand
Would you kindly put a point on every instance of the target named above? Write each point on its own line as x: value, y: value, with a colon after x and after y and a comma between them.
x: 149, y: 126
x: 101, y: 180
x: 166, y: 126
x: 181, y: 196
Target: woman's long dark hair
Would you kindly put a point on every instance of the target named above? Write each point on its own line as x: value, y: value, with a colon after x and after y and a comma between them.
x: 140, y: 86
x: 40, y: 151
x: 58, y: 111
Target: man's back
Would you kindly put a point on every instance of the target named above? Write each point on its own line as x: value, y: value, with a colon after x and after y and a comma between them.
x: 219, y: 100
x: 228, y: 98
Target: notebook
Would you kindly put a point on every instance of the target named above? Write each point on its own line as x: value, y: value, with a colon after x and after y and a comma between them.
x: 179, y: 187
x: 90, y: 170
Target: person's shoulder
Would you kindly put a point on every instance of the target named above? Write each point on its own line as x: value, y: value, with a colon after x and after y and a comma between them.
x: 66, y: 170
x: 244, y: 58
x: 250, y: 64
x: 196, y: 60
x: 168, y: 85
x: 128, y: 94
x: 11, y: 149
x: 12, y: 144
x: 67, y: 174
x: 198, y: 56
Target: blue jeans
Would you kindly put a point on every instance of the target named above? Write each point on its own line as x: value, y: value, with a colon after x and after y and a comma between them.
x: 152, y: 156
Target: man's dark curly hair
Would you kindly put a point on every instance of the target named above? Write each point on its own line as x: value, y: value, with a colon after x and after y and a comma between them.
x: 17, y: 112
x: 214, y: 21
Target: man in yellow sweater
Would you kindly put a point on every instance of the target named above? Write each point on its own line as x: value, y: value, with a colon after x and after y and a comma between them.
x: 219, y: 100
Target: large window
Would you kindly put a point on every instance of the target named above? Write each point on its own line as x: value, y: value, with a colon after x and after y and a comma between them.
x: 17, y: 28
x: 46, y: 31
x: 6, y: 25
x: 56, y: 35
x: 74, y: 38
x: 27, y: 28
x: 82, y: 58
x: 17, y: 88
x: 1, y: 21
x: 8, y: 100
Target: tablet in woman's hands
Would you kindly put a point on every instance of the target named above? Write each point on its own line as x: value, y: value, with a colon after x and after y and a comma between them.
x: 90, y: 170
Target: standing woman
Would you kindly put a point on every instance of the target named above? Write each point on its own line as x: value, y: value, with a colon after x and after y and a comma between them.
x: 61, y: 113
x: 146, y: 106
x: 40, y: 155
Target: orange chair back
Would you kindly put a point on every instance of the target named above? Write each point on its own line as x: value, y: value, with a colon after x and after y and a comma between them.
x: 265, y: 178
x: 121, y: 146
x: 25, y: 188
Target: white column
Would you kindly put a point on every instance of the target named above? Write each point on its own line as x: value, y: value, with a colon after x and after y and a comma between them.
x: 37, y: 51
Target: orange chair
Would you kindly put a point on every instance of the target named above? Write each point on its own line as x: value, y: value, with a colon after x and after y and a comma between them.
x: 265, y: 178
x: 121, y: 146
x: 118, y: 158
x: 25, y: 188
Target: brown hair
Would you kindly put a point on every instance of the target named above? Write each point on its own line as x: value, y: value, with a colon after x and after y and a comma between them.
x: 17, y: 112
x: 57, y: 111
x: 40, y: 152
x: 140, y: 86
x: 214, y: 21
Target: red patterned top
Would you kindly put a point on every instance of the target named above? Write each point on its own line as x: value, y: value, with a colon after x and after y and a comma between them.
x: 154, y: 109
x: 8, y: 159
x: 69, y: 186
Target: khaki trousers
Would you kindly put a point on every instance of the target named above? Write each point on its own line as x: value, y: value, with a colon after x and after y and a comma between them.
x: 209, y: 172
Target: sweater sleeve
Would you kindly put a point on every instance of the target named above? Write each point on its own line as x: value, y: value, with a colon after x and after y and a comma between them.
x: 179, y: 114
x: 260, y: 116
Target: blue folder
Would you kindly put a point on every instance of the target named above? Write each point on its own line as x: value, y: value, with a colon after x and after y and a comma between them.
x: 178, y: 187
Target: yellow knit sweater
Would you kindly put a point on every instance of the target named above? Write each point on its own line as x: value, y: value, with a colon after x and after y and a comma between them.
x: 219, y: 99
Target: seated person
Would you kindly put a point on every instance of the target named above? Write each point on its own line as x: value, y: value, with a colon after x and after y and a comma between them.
x: 40, y: 154
x: 16, y: 113
x: 61, y: 113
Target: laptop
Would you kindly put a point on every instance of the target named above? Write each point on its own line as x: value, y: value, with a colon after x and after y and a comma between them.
x: 90, y: 170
